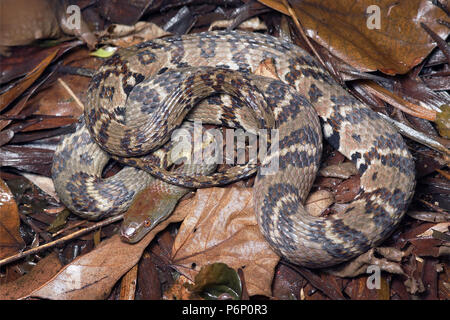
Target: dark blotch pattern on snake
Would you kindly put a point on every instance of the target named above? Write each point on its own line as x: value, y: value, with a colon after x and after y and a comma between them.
x: 124, y: 115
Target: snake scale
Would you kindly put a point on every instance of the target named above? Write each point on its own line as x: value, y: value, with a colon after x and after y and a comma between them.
x: 141, y: 94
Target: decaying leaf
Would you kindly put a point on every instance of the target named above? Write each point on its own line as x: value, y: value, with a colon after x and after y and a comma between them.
x: 384, y: 35
x: 220, y: 226
x: 440, y: 227
x: 125, y: 36
x: 442, y: 121
x: 10, y: 240
x: 359, y: 265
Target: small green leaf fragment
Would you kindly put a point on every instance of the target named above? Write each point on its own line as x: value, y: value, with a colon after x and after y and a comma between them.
x: 442, y: 121
x: 104, y: 52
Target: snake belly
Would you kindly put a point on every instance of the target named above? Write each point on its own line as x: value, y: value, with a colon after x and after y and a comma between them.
x: 379, y: 152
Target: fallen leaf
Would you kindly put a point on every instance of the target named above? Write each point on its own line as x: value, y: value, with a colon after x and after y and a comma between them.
x: 221, y: 226
x: 253, y: 24
x: 441, y: 227
x: 10, y: 240
x: 318, y: 202
x: 359, y: 265
x: 44, y: 270
x: 125, y: 36
x: 358, y: 289
x: 344, y: 27
x: 341, y: 170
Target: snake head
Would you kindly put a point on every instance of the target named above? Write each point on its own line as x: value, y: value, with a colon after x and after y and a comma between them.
x: 148, y: 209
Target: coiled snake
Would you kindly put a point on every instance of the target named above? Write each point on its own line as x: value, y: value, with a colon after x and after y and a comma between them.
x: 142, y: 93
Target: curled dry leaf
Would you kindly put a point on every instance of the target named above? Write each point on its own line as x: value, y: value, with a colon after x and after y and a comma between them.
x: 342, y: 170
x: 386, y: 37
x: 253, y: 24
x: 440, y: 227
x: 221, y: 226
x: 359, y: 265
x: 125, y: 36
x: 10, y: 240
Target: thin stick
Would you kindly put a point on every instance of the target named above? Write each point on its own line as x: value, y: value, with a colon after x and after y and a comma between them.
x: 61, y: 240
x: 78, y: 103
x: 302, y: 33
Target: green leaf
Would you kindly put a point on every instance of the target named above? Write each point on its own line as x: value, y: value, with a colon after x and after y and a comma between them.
x: 216, y: 279
x: 104, y: 52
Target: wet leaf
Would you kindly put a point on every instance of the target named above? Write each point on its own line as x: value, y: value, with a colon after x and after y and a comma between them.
x: 216, y: 279
x: 220, y: 226
x: 10, y: 240
x: 344, y: 27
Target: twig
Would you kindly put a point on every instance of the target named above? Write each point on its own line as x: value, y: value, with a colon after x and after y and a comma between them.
x: 72, y: 94
x: 61, y: 240
x: 77, y: 224
x: 302, y: 33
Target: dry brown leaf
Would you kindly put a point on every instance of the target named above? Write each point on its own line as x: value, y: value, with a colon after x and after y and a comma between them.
x: 221, y: 226
x: 318, y: 202
x: 10, y: 240
x: 125, y: 36
x: 9, y: 96
x: 441, y: 227
x: 341, y: 26
x: 253, y: 24
x: 44, y: 270
x: 342, y: 170
x: 92, y: 275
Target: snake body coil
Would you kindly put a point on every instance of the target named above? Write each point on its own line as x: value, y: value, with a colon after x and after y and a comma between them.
x: 142, y: 93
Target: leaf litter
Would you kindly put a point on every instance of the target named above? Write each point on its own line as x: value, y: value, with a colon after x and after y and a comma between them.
x: 216, y: 225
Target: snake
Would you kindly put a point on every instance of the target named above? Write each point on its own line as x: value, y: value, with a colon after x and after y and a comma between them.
x: 140, y: 95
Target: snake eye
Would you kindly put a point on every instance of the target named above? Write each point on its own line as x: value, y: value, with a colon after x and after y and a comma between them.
x: 147, y: 223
